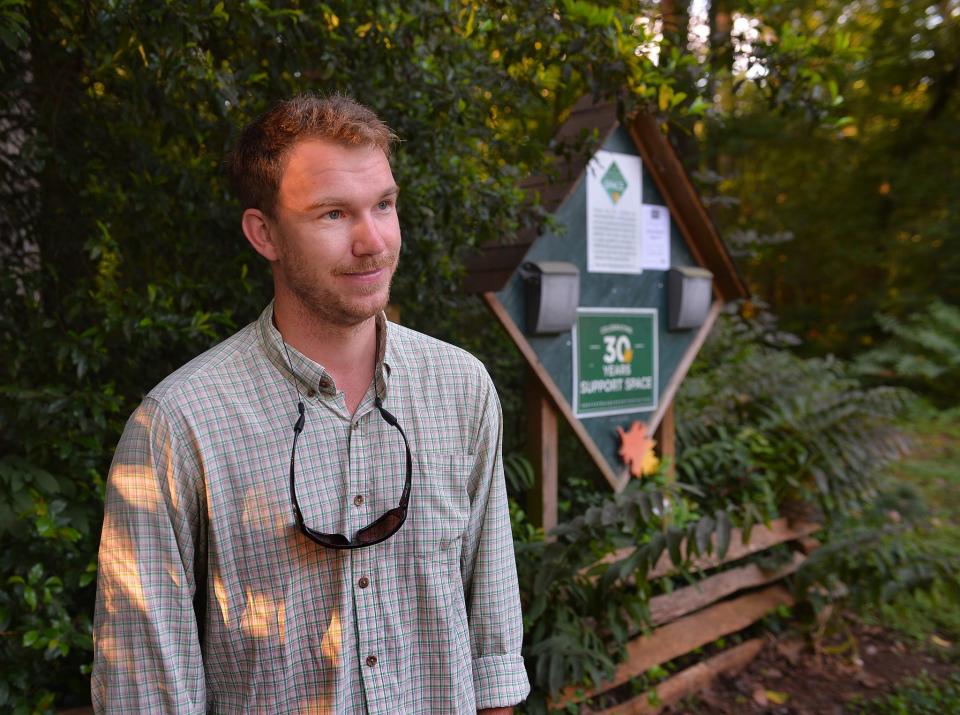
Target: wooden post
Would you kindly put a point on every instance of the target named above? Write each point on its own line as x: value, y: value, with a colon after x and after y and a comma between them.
x: 542, y: 450
x: 666, y: 436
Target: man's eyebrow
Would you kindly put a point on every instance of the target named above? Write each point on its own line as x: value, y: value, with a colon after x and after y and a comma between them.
x: 393, y: 191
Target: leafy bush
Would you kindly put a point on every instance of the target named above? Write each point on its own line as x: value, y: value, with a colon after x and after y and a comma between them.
x: 586, y: 593
x: 759, y: 427
x: 879, y: 553
x: 897, y: 560
x: 922, y: 352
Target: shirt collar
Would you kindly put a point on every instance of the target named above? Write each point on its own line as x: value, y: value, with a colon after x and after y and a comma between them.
x: 311, y: 377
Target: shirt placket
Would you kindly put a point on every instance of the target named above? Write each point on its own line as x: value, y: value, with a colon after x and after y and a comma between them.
x: 370, y: 649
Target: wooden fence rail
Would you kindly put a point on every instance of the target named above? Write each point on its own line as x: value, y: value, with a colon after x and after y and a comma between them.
x: 721, y: 604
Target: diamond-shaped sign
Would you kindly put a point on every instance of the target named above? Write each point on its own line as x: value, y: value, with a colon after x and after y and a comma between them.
x: 614, y: 182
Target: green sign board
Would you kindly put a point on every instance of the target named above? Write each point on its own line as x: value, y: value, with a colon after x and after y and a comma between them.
x: 615, y: 361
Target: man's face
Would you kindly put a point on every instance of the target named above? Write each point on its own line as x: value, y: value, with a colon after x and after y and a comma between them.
x: 336, y: 233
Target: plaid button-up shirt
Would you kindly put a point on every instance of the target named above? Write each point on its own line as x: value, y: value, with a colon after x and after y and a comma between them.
x: 210, y: 599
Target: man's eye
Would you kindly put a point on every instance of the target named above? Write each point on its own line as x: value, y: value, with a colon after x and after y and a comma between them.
x: 384, y: 205
x: 335, y: 214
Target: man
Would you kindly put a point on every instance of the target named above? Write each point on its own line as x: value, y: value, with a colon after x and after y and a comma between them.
x: 311, y: 516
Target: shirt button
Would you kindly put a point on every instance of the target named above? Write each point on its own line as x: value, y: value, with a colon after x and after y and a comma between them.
x: 371, y: 660
x: 363, y: 582
x: 358, y: 500
x: 311, y: 393
x: 355, y: 425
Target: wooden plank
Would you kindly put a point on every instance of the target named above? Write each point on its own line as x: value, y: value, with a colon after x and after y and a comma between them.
x: 686, y: 209
x: 762, y: 537
x: 666, y: 438
x: 563, y: 407
x: 671, y: 606
x: 683, y: 635
x: 690, y: 680
x: 542, y: 450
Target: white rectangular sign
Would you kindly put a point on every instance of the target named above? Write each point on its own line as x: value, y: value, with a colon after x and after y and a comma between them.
x: 654, y: 237
x: 614, y: 193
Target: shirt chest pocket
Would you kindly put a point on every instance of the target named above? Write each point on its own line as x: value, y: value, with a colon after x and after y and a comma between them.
x: 439, y: 503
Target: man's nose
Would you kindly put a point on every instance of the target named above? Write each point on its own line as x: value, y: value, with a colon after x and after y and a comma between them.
x: 368, y: 236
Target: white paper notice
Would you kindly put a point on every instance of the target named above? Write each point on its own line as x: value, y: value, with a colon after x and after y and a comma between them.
x: 613, y: 213
x: 654, y: 237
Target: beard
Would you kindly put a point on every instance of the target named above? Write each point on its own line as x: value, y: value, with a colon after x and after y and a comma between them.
x: 320, y: 296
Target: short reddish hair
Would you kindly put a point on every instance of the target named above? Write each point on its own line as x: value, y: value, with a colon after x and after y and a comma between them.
x: 257, y: 161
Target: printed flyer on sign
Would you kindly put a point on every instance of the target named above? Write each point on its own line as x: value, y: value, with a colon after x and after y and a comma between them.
x: 655, y: 237
x: 615, y: 361
x: 613, y: 213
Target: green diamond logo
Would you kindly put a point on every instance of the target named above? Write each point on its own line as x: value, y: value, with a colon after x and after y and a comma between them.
x: 614, y: 182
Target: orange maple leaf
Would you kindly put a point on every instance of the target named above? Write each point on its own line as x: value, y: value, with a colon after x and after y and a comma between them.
x: 636, y: 449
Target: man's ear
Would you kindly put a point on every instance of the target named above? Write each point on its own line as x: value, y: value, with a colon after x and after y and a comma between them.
x: 259, y: 232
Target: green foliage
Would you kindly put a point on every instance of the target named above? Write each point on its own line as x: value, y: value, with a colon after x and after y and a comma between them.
x: 859, y: 170
x: 922, y: 352
x: 922, y: 695
x: 760, y: 427
x: 930, y: 472
x: 875, y: 557
x: 586, y: 592
x: 921, y: 616
x: 898, y: 559
x: 12, y: 24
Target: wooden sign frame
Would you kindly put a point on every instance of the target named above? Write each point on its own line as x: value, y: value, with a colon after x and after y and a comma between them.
x: 490, y: 270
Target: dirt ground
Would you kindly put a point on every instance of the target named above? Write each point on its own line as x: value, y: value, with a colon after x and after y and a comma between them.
x: 789, y: 677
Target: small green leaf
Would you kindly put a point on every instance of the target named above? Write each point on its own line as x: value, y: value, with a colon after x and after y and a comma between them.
x: 724, y: 532
x: 704, y: 531
x: 655, y: 548
x: 674, y: 540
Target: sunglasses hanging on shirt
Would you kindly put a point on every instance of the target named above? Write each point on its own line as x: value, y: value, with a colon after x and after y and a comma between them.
x: 377, y: 531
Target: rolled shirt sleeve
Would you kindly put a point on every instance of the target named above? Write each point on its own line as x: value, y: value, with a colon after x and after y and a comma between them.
x: 490, y: 572
x: 147, y: 655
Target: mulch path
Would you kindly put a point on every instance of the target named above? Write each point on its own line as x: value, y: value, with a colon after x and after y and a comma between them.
x: 789, y: 677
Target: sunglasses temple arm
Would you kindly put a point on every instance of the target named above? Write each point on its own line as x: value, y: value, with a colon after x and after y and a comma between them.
x: 405, y: 497
x: 297, y: 429
x: 392, y: 421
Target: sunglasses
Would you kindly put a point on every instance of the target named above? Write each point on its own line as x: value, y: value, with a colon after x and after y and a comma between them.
x: 374, y: 533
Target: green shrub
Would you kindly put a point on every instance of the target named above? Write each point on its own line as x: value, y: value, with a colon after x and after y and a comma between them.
x: 579, y: 609
x: 759, y: 427
x: 922, y: 352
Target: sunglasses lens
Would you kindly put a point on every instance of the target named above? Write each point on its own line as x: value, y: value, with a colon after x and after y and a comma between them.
x: 384, y: 527
x: 334, y: 541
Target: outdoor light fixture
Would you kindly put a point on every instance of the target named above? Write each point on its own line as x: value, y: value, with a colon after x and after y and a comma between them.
x: 689, y: 292
x: 553, y: 294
